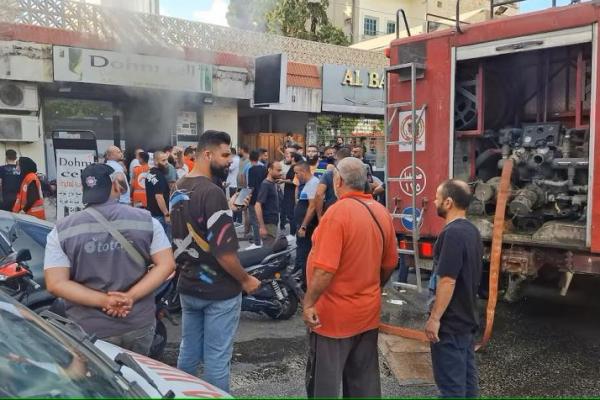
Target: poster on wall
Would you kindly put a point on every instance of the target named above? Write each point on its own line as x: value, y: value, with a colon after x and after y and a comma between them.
x: 187, y: 123
x: 405, y: 132
x: 69, y: 164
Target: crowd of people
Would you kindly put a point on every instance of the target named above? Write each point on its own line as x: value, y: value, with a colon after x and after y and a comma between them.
x: 188, y: 207
x: 21, y: 186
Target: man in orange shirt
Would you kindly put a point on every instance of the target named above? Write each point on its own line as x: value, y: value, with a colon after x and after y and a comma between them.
x: 354, y: 253
x: 189, y: 157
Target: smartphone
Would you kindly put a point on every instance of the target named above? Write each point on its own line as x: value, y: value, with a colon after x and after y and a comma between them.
x: 242, y: 195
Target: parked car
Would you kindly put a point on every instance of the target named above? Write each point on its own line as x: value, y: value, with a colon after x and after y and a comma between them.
x: 51, y: 356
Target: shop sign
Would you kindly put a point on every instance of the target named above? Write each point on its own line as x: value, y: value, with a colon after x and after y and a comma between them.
x: 25, y: 61
x: 187, y: 123
x: 69, y: 164
x: 72, y: 64
x: 353, y: 90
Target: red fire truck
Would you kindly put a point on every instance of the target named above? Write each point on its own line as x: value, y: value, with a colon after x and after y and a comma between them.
x: 515, y: 94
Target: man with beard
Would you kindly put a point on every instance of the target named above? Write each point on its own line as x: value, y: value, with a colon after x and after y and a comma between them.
x: 325, y: 196
x: 268, y: 202
x: 312, y: 157
x: 157, y: 191
x: 326, y: 163
x: 453, y: 320
x: 212, y: 277
x: 171, y: 171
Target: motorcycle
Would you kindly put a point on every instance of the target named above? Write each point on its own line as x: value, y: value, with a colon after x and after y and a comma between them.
x: 281, y: 286
x: 162, y: 299
x: 16, y: 278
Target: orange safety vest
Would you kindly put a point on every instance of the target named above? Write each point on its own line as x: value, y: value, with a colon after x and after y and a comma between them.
x: 138, y: 195
x: 189, y: 163
x: 37, y: 210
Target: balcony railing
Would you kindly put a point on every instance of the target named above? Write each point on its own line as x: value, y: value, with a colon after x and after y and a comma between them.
x: 135, y: 30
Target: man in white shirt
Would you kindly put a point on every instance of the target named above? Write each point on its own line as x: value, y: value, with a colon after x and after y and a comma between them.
x: 135, y: 162
x: 232, y: 181
x: 113, y: 156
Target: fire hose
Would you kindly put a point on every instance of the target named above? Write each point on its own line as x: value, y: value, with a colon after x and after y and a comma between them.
x: 495, y: 259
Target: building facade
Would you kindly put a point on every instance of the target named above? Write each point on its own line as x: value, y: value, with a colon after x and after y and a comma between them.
x: 368, y: 19
x: 141, y: 6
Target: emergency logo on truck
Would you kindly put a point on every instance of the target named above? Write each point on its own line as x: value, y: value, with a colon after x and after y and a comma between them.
x: 406, y: 184
x: 405, y: 131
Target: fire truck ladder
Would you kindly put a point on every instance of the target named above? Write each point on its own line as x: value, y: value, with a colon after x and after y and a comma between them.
x: 406, y: 72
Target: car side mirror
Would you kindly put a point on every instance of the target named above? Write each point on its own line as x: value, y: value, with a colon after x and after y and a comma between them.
x: 23, y: 255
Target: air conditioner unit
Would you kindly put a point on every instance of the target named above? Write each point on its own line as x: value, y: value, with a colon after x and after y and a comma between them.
x: 19, y: 128
x: 18, y: 96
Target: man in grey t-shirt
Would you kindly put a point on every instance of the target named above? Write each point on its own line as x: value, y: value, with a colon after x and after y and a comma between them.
x: 107, y: 291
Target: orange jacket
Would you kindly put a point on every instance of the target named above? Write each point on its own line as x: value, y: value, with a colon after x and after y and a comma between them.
x: 138, y: 184
x: 189, y: 162
x: 37, y: 209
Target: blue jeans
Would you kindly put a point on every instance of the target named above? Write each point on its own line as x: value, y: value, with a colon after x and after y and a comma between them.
x: 254, y: 224
x: 166, y: 227
x: 454, y: 367
x: 208, y: 328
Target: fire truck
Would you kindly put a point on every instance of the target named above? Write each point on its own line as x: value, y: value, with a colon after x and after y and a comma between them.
x: 509, y: 106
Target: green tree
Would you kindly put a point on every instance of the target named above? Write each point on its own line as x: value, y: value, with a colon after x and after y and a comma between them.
x: 249, y: 14
x: 292, y: 17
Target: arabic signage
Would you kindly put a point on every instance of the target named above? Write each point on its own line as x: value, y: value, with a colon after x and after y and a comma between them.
x: 69, y: 164
x: 353, y: 90
x: 73, y: 64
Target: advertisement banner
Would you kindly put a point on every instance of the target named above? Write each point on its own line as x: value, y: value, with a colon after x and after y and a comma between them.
x: 69, y: 164
x: 73, y: 64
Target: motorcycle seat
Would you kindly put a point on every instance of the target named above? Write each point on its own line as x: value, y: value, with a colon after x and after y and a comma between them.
x: 249, y: 258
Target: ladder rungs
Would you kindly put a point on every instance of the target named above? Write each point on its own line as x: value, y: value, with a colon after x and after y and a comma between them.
x: 405, y: 67
x: 397, y: 143
x: 396, y: 105
x: 403, y: 285
x: 399, y: 179
x: 405, y: 251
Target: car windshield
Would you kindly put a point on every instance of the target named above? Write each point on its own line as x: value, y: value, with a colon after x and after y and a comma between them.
x: 37, y: 360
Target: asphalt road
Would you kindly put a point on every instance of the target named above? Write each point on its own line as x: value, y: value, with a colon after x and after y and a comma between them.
x: 545, y: 346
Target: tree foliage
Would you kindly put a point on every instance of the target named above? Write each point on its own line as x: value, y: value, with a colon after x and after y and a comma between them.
x: 304, y: 19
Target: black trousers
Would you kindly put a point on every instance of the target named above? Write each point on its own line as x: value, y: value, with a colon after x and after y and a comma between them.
x: 303, y: 247
x: 287, y: 215
x: 454, y: 367
x: 351, y: 363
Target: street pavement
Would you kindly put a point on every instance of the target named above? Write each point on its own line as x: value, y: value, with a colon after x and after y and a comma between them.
x: 545, y: 346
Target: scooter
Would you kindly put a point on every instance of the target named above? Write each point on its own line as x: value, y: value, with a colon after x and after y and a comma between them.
x: 162, y: 300
x: 16, y: 278
x: 281, y: 286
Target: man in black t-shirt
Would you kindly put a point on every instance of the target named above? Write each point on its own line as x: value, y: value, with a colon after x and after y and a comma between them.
x: 267, y: 203
x: 11, y: 179
x: 211, y: 278
x: 157, y: 191
x: 256, y: 175
x: 453, y: 321
x: 289, y: 194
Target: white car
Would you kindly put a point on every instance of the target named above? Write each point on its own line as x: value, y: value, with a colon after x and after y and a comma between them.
x: 51, y: 357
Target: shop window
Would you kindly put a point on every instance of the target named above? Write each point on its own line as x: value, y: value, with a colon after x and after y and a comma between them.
x: 391, y: 27
x: 370, y: 26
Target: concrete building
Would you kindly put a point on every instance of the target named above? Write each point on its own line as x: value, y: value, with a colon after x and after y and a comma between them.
x: 142, y: 6
x: 368, y: 19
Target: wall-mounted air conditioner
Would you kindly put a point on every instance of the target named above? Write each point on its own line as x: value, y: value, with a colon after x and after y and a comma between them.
x: 18, y: 96
x: 19, y: 128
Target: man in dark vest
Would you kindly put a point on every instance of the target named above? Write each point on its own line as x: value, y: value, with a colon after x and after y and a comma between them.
x: 107, y: 289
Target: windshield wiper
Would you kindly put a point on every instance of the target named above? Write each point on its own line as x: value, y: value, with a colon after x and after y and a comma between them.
x: 127, y: 360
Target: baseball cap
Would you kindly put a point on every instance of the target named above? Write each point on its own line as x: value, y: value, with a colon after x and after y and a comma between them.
x: 96, y: 180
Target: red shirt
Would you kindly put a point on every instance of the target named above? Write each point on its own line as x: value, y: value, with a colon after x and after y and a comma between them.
x: 348, y: 244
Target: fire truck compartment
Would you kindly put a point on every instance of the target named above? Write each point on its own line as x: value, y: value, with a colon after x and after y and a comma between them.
x: 531, y: 105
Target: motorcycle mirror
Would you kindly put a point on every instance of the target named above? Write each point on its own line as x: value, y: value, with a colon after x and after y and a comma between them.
x: 23, y: 255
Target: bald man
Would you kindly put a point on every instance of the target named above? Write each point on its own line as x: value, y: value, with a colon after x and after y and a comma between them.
x: 114, y: 158
x: 453, y: 321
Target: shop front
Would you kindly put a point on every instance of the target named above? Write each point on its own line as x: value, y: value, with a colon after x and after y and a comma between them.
x: 353, y: 105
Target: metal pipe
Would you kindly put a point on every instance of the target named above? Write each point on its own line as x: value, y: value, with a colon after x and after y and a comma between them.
x: 400, y: 10
x: 415, y: 222
x: 458, y: 28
